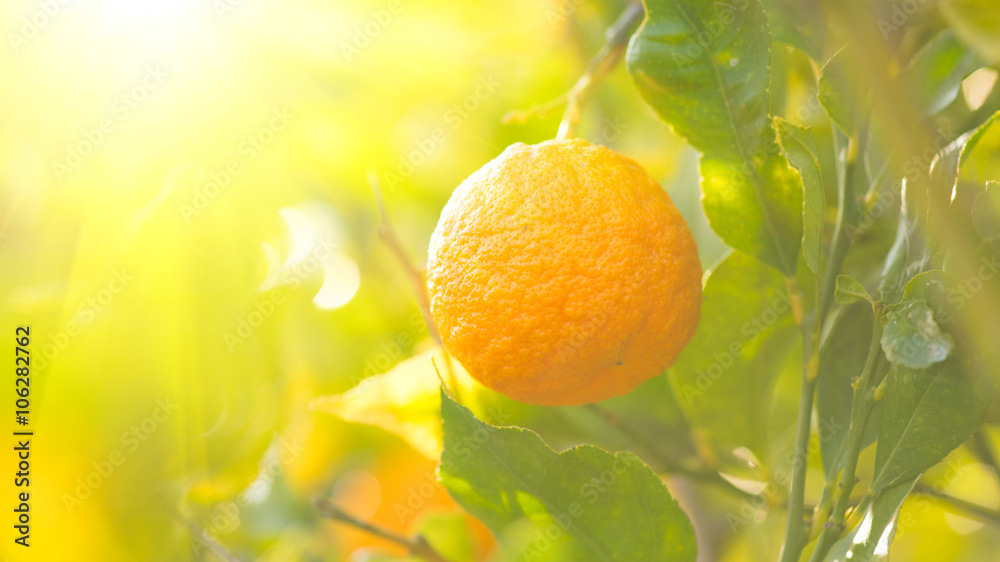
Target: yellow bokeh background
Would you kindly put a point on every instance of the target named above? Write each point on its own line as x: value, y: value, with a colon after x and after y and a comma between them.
x: 187, y: 226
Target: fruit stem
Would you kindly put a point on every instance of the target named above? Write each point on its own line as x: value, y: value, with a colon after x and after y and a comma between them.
x: 616, y: 41
x: 863, y: 404
x: 852, y: 182
x: 795, y: 530
x: 388, y: 235
x: 418, y: 546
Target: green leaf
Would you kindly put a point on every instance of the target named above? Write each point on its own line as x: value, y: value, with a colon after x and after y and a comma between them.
x: 986, y: 211
x: 842, y: 358
x: 946, y: 164
x: 723, y: 379
x: 703, y: 67
x: 449, y: 534
x: 934, y: 77
x: 928, y: 412
x: 943, y: 178
x: 798, y: 24
x: 905, y: 259
x: 404, y: 401
x: 912, y: 338
x: 765, y: 222
x: 799, y: 147
x: 584, y: 503
x: 870, y: 540
x: 977, y: 23
x: 840, y: 86
x: 849, y: 291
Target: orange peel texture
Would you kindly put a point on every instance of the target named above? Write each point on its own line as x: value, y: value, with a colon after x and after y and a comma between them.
x: 561, y: 274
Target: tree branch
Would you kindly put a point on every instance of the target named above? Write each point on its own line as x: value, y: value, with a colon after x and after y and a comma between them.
x: 417, y: 546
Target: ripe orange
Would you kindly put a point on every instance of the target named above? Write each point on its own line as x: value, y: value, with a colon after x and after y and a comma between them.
x: 561, y: 273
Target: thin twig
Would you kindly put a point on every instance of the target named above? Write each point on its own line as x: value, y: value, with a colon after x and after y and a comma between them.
x: 861, y: 409
x: 982, y: 444
x: 417, y: 546
x: 985, y: 514
x: 795, y: 525
x: 216, y: 548
x: 615, y: 42
x: 451, y: 386
x: 668, y: 465
x: 538, y: 109
x: 388, y: 235
x: 198, y: 533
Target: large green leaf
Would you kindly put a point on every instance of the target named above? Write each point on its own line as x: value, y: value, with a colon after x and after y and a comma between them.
x: 703, y: 67
x: 842, y: 359
x: 723, y: 379
x: 977, y: 23
x: 799, y: 147
x: 759, y: 214
x: 935, y: 74
x: 870, y: 540
x: 928, y: 412
x: 583, y: 504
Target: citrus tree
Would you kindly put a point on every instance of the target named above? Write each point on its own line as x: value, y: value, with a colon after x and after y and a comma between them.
x: 843, y: 159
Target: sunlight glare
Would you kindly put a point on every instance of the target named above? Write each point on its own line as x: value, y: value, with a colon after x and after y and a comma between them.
x: 341, y: 281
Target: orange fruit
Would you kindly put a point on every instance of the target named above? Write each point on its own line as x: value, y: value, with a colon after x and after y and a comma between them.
x: 561, y: 273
